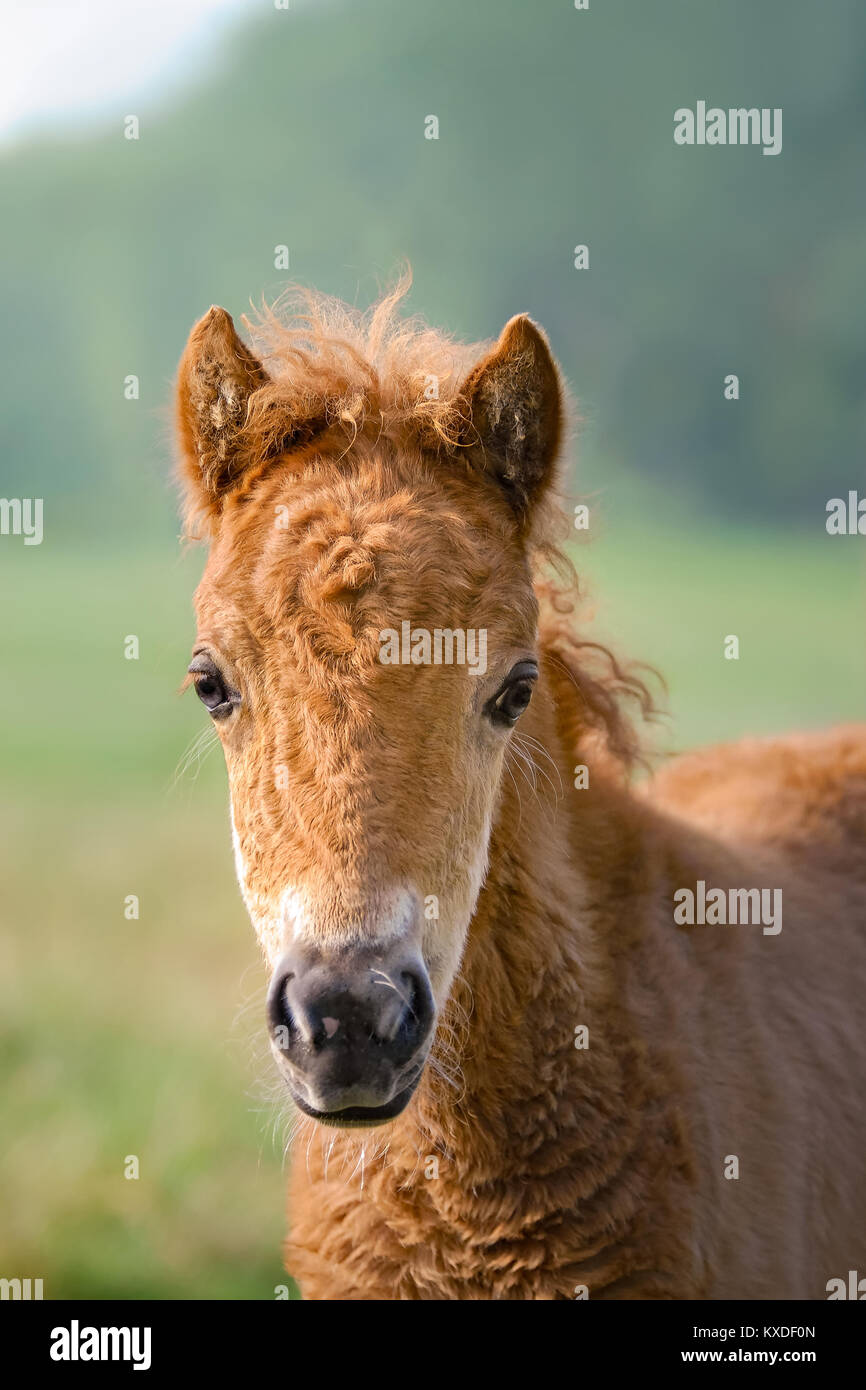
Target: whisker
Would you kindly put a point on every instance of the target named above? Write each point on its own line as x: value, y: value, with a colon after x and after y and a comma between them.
x: 525, y: 755
x: 516, y: 788
x: 386, y: 979
x: 195, y: 753
x: 527, y: 767
x: 536, y: 743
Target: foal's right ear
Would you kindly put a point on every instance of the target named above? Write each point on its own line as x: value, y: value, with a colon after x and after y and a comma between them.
x: 216, y: 379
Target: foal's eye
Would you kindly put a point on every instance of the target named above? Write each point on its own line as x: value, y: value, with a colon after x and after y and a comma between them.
x: 210, y: 689
x: 210, y: 692
x: 511, y: 700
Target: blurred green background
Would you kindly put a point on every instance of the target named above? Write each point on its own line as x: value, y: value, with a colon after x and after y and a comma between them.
x: 306, y: 129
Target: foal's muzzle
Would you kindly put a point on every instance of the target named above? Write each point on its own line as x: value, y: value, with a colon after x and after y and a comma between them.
x: 351, y: 1031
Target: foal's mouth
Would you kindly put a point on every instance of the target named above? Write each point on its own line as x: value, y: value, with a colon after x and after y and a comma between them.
x: 359, y: 1116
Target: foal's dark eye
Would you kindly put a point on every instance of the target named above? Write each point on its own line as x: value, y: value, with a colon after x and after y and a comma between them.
x: 210, y: 692
x: 210, y: 688
x: 511, y: 700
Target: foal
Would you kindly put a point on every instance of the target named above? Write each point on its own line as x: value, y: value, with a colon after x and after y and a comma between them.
x: 525, y: 1067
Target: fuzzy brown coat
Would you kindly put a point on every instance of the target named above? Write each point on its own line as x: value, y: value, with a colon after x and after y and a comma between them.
x: 604, y: 1167
x: 616, y: 1106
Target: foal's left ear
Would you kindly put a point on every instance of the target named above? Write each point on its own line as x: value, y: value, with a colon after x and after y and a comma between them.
x: 515, y: 412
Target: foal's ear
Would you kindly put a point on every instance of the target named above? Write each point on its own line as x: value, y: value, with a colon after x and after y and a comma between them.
x: 515, y: 410
x: 216, y: 379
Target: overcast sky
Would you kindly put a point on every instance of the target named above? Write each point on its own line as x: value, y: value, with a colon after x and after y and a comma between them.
x: 67, y: 62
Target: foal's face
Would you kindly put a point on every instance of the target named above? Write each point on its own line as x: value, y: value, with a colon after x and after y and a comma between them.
x: 363, y: 788
x: 365, y: 647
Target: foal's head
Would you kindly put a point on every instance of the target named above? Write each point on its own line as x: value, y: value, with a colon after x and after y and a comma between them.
x: 367, y: 632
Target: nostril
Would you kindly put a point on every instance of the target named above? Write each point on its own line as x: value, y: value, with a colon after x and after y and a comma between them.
x: 403, y: 1021
x: 281, y: 1021
x: 410, y: 1021
x: 392, y: 1000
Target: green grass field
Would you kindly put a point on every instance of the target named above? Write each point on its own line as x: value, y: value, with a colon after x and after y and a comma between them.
x: 145, y: 1037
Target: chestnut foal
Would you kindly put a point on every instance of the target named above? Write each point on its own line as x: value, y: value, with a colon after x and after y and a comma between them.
x: 521, y: 1071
